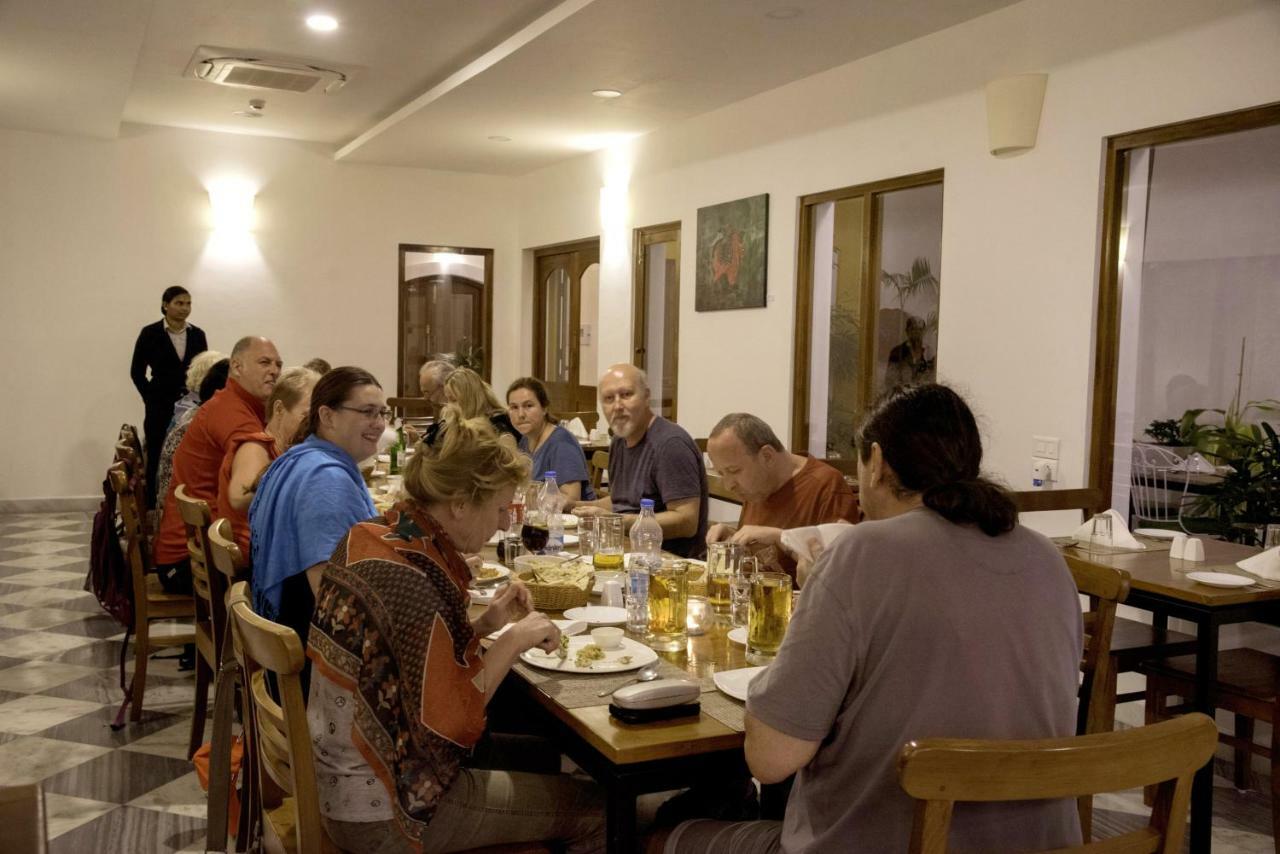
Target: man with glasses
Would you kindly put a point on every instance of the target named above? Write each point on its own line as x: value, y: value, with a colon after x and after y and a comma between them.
x: 239, y: 408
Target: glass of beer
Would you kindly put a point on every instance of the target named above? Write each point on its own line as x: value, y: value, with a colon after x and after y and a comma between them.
x: 608, y: 553
x: 669, y: 606
x: 722, y: 566
x: 768, y: 615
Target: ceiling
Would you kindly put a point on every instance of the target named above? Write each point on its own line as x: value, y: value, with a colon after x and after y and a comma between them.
x: 432, y: 81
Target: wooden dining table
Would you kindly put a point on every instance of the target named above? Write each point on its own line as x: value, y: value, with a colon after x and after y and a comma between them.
x: 629, y: 760
x: 1159, y: 584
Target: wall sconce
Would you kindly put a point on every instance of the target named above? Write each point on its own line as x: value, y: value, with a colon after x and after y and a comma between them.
x: 1013, y: 112
x: 231, y: 201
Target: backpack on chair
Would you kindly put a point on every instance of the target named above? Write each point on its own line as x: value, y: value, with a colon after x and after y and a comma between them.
x: 110, y: 579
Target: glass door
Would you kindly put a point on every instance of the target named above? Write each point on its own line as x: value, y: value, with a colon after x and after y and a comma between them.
x: 445, y: 310
x: 657, y: 313
x: 564, y: 337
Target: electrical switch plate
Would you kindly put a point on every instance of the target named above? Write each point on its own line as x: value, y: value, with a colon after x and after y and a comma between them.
x: 1045, y: 447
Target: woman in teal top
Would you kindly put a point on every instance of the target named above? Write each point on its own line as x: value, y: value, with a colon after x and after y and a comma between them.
x: 552, y: 447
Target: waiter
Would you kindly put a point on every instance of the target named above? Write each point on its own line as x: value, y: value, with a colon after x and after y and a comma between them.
x: 166, y: 348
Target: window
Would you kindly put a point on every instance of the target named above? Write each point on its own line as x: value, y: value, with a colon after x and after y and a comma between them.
x: 866, y: 303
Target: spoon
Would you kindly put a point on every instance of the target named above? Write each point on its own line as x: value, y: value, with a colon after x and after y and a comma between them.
x: 648, y: 673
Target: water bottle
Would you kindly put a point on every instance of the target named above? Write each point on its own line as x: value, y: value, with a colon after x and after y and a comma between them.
x: 552, y: 503
x: 646, y: 553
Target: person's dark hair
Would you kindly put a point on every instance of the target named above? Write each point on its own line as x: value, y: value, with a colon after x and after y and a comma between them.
x: 535, y: 386
x: 320, y: 366
x: 929, y: 437
x: 215, y: 379
x: 332, y: 390
x: 171, y: 293
x: 752, y: 431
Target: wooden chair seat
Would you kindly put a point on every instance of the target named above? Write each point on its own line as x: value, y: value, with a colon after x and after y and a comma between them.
x: 1133, y: 642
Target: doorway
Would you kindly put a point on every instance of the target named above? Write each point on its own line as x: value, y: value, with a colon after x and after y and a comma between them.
x: 566, y: 325
x: 446, y: 309
x: 656, y: 312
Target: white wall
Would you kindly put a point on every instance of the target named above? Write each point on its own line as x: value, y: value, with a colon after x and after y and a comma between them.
x: 91, y: 231
x: 1020, y: 235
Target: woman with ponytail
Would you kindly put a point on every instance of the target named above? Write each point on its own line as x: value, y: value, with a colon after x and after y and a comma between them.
x: 401, y: 685
x: 939, y: 615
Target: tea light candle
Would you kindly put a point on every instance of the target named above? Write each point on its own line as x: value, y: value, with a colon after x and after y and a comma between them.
x: 699, y: 615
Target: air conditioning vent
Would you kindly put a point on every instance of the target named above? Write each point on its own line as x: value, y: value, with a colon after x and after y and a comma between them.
x: 249, y: 73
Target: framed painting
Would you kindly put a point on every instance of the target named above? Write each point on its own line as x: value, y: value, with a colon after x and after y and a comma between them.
x: 732, y: 254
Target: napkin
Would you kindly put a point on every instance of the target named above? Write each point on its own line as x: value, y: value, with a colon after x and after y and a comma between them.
x: 796, y: 540
x: 577, y: 428
x: 1265, y: 565
x: 1120, y: 536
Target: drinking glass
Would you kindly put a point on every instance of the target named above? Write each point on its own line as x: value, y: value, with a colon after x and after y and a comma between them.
x: 1101, y: 530
x: 768, y: 615
x: 587, y: 537
x: 533, y: 532
x: 722, y: 565
x: 669, y: 606
x: 512, y: 548
x: 740, y: 590
x: 609, y: 549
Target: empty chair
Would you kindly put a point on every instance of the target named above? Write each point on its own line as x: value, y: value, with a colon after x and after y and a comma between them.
x: 941, y: 772
x: 1155, y: 504
x: 599, y: 464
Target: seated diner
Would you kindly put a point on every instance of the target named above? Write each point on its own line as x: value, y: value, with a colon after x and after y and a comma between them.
x: 551, y: 447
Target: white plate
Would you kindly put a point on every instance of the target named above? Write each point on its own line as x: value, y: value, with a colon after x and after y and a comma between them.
x: 502, y: 571
x: 1156, y: 533
x: 735, y: 682
x: 597, y: 587
x: 738, y: 636
x: 1220, y: 579
x: 637, y: 655
x: 598, y: 615
x: 567, y: 627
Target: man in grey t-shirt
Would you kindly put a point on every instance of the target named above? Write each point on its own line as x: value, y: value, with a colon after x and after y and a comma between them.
x: 651, y: 457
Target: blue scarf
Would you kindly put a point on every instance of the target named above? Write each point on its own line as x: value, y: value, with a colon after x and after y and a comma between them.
x: 307, y: 501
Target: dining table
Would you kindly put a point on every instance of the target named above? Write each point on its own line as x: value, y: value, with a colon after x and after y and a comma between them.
x: 1161, y: 585
x: 629, y: 760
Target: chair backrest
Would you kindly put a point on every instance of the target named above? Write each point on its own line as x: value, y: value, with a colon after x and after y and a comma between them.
x: 129, y: 436
x: 24, y: 818
x: 1106, y: 588
x: 210, y: 604
x: 137, y: 473
x: 226, y: 555
x: 1087, y: 501
x: 939, y: 772
x: 1149, y: 483
x: 279, y: 732
x: 135, y: 542
x: 599, y: 465
x: 410, y: 407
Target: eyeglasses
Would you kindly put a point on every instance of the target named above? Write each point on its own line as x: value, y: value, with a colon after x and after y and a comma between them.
x: 370, y: 413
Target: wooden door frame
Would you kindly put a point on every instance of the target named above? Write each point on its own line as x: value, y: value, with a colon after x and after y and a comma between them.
x: 486, y: 299
x: 590, y: 248
x: 642, y: 239
x: 801, y: 361
x: 1106, y: 358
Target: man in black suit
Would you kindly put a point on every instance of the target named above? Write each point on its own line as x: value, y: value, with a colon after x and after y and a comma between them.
x: 166, y: 348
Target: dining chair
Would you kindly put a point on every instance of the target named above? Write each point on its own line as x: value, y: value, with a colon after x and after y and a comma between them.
x: 941, y: 772
x: 280, y: 735
x: 24, y: 817
x: 150, y: 601
x: 1154, y: 503
x: 137, y: 471
x: 1248, y: 686
x: 210, y: 592
x: 599, y: 465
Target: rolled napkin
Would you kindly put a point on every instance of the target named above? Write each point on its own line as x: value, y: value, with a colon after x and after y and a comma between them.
x: 795, y: 540
x: 1120, y: 536
x: 577, y: 428
x: 1264, y: 565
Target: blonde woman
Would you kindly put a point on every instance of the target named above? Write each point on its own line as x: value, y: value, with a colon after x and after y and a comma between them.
x: 475, y: 398
x: 395, y: 713
x: 186, y: 406
x: 249, y: 454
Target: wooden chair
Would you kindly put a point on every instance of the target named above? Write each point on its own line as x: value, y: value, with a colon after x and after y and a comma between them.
x: 24, y: 818
x: 599, y: 465
x: 137, y: 472
x: 1249, y: 687
x: 150, y: 602
x: 939, y: 772
x: 210, y: 590
x: 411, y: 407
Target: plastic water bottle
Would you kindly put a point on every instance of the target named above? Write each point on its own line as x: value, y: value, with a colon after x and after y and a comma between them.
x: 646, y: 554
x: 552, y: 503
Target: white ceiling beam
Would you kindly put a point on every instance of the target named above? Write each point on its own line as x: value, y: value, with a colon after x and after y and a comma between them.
x: 467, y: 72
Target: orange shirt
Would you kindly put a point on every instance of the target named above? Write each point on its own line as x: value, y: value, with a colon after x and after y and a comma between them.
x: 229, y: 413
x: 224, y: 510
x: 814, y: 495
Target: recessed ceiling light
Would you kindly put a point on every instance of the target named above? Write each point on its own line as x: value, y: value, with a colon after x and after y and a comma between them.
x: 606, y: 93
x: 784, y: 13
x: 322, y: 23
x: 499, y: 139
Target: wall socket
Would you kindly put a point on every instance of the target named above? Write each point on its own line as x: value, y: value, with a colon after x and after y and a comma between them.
x: 1045, y: 447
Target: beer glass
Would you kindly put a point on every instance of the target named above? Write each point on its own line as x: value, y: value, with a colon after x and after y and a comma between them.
x: 669, y: 606
x: 587, y: 538
x: 608, y: 554
x: 768, y: 616
x: 722, y: 566
x: 740, y: 590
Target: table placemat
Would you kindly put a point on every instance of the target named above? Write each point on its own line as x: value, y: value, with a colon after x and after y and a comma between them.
x: 575, y: 692
x: 725, y: 709
x: 1153, y: 545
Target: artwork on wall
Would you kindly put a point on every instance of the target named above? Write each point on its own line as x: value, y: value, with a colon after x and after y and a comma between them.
x: 732, y: 254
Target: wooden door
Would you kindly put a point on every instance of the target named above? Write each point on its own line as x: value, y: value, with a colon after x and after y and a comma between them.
x: 558, y: 325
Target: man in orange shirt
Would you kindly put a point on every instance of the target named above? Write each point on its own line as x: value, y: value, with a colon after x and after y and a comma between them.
x: 237, y: 409
x: 779, y: 489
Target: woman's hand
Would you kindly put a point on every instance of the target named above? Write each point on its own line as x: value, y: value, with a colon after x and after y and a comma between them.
x: 511, y: 602
x: 536, y: 629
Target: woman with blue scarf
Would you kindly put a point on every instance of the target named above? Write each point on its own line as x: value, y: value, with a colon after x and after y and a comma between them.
x: 312, y: 495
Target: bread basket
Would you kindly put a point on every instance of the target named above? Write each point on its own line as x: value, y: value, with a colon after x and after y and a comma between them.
x: 555, y: 585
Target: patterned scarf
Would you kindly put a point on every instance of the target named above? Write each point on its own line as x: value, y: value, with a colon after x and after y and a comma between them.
x: 391, y: 627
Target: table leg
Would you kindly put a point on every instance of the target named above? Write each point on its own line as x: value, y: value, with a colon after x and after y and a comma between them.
x: 620, y: 818
x: 1206, y: 685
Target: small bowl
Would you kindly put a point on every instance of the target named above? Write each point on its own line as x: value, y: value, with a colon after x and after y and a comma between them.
x: 607, y: 637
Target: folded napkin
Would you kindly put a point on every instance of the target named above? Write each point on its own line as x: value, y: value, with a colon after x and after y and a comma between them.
x: 1120, y: 536
x: 1265, y: 565
x: 577, y: 428
x: 796, y: 540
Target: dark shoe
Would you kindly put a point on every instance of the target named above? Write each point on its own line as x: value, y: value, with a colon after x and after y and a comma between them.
x: 187, y: 661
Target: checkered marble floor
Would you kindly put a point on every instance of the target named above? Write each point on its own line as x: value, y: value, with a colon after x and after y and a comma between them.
x: 133, y: 791
x: 128, y: 791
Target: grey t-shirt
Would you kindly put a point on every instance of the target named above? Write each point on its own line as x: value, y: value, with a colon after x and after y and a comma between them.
x: 910, y: 628
x: 665, y: 465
